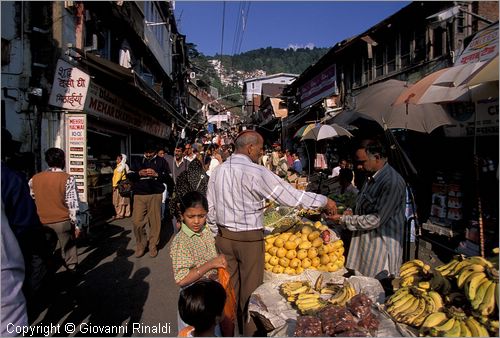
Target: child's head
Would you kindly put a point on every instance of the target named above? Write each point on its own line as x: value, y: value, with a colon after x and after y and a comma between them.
x: 202, y: 304
x: 194, y: 207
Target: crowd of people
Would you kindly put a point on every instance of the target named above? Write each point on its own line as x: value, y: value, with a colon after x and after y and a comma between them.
x: 213, y: 193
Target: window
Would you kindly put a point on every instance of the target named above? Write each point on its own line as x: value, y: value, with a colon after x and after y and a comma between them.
x: 5, y: 52
x: 420, y: 53
x: 152, y: 15
x: 405, y: 48
x: 379, y: 60
x: 357, y: 72
x: 438, y: 35
x: 391, y: 55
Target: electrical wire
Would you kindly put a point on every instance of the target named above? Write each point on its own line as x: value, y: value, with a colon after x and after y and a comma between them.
x: 222, y: 38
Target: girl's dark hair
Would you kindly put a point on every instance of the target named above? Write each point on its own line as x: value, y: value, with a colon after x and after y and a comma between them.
x: 201, y: 302
x: 191, y: 200
x: 55, y: 158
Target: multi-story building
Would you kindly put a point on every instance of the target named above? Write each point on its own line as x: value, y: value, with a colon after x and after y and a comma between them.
x: 418, y: 40
x: 95, y: 78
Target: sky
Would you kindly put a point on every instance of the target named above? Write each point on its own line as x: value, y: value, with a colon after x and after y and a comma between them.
x: 278, y: 24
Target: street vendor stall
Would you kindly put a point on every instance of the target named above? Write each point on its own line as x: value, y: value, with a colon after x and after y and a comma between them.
x: 304, y: 280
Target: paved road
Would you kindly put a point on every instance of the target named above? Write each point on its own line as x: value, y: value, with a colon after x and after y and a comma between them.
x: 115, y: 291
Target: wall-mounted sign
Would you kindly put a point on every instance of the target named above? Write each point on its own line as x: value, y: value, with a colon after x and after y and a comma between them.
x: 69, y: 88
x: 322, y: 85
x: 104, y: 104
x: 482, y: 47
x: 76, y: 150
x: 466, y: 123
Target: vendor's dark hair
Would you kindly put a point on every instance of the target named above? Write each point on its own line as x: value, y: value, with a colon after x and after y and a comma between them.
x: 55, y: 158
x: 374, y: 147
x: 201, y: 303
x: 192, y: 199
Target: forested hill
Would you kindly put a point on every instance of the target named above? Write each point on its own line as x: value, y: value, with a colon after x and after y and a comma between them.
x: 274, y: 60
x: 228, y: 73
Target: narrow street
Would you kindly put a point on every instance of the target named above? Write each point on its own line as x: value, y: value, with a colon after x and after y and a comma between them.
x: 116, y: 290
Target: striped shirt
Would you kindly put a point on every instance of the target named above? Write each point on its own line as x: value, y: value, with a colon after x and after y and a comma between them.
x: 190, y: 249
x: 377, y: 225
x: 238, y: 190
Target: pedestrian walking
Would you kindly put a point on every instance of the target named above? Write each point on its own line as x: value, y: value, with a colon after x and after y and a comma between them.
x: 120, y: 203
x: 147, y: 176
x: 57, y: 204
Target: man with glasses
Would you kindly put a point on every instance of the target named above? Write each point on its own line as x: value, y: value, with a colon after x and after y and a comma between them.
x: 379, y: 217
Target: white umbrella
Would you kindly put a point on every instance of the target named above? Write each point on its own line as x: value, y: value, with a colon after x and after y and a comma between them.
x: 487, y: 73
x: 376, y: 103
x: 448, y: 86
x: 326, y: 131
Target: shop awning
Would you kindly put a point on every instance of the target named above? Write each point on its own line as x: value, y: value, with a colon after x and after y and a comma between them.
x: 130, y: 78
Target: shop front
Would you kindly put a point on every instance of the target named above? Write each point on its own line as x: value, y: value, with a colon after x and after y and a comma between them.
x: 99, y: 124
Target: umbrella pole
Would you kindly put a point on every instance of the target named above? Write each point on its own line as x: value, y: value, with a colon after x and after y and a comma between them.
x: 479, y: 207
x: 478, y: 193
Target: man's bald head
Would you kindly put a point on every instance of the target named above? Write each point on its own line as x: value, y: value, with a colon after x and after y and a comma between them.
x: 246, y: 138
x: 250, y: 143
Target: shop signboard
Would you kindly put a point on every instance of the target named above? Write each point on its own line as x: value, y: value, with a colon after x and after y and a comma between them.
x: 104, y: 104
x: 76, y: 150
x: 482, y: 47
x: 321, y: 86
x: 466, y: 123
x: 69, y: 88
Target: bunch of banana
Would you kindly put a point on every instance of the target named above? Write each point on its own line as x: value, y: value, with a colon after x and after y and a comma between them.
x: 440, y: 324
x: 448, y: 268
x: 307, y: 303
x: 343, y: 295
x: 292, y: 289
x: 491, y: 325
x: 330, y: 289
x: 465, y: 266
x: 413, y: 272
x: 411, y: 305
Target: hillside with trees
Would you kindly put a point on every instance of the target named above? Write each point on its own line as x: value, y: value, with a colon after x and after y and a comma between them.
x: 237, y: 68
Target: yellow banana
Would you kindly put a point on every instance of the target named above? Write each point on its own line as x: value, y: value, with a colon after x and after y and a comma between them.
x: 446, y: 326
x: 474, y: 281
x: 481, y: 261
x: 399, y: 315
x: 302, y: 289
x: 455, y: 329
x: 308, y: 296
x: 424, y: 285
x: 459, y: 267
x: 411, y: 263
x: 434, y: 319
x: 487, y: 306
x: 476, y: 329
x: 319, y: 282
x: 466, y: 272
x: 402, y: 305
x: 397, y: 295
x: 415, y: 269
x: 411, y: 317
x: 447, y: 268
x: 437, y: 299
x: 464, y: 330
x: 327, y: 291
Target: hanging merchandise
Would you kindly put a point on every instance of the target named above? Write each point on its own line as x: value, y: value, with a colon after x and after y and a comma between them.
x: 183, y: 133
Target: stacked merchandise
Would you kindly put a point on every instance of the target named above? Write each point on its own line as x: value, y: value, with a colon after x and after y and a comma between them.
x: 459, y: 298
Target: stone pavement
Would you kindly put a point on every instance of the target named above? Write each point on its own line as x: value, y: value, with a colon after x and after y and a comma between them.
x: 114, y: 290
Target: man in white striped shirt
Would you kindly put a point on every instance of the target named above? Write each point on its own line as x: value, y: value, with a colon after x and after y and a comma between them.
x: 237, y: 193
